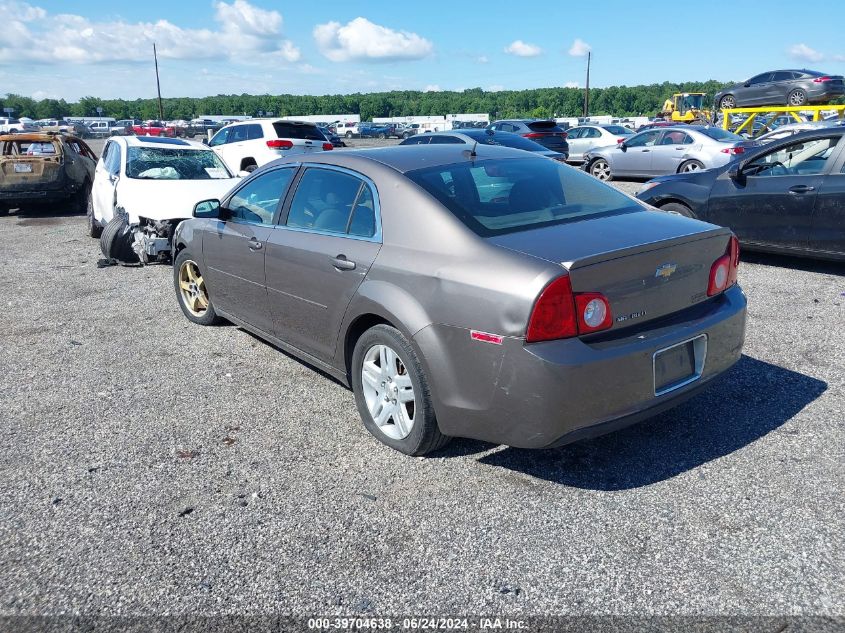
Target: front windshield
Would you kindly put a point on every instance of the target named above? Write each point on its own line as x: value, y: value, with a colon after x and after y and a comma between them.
x: 693, y: 102
x: 493, y: 197
x: 158, y: 163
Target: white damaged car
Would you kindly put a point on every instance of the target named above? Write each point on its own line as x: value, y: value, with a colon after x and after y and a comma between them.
x: 144, y: 187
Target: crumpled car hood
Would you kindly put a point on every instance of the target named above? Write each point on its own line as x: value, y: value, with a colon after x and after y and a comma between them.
x: 168, y: 199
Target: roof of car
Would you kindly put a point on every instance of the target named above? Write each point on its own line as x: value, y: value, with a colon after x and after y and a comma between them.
x: 406, y: 158
x: 38, y: 137
x: 160, y: 141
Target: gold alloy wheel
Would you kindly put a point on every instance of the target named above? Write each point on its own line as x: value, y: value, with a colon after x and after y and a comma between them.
x: 192, y: 288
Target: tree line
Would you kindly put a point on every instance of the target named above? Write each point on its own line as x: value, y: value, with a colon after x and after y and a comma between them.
x: 537, y: 103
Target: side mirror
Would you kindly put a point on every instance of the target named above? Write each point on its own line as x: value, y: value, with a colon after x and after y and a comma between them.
x: 208, y: 209
x: 735, y: 174
x: 623, y: 146
x: 747, y: 84
x: 205, y: 141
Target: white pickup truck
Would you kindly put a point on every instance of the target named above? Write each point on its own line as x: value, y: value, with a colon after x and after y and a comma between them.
x: 12, y: 126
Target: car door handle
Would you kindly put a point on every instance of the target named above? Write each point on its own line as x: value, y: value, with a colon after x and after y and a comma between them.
x: 679, y: 149
x: 254, y: 244
x: 801, y: 189
x: 341, y: 263
x: 645, y: 151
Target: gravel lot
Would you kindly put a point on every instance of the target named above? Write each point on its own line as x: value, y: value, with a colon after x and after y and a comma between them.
x: 150, y: 466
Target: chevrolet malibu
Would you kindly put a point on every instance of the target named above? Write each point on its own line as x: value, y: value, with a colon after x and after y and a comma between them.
x: 482, y: 293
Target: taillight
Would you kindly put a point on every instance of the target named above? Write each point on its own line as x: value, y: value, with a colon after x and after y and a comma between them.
x: 560, y: 313
x: 619, y: 140
x: 533, y: 135
x: 564, y: 135
x: 724, y: 270
x: 593, y: 312
x: 733, y: 151
x: 278, y: 143
x: 553, y: 315
x: 327, y: 147
x: 819, y: 80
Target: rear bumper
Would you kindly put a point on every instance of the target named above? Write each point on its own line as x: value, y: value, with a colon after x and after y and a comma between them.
x: 825, y: 93
x: 552, y: 393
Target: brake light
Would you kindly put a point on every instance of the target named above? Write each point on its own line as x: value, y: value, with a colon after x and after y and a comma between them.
x: 564, y: 135
x: 733, y: 151
x: 327, y: 147
x: 819, y: 80
x: 278, y: 143
x: 533, y: 135
x: 724, y: 270
x: 560, y: 313
x: 620, y: 140
x: 553, y: 316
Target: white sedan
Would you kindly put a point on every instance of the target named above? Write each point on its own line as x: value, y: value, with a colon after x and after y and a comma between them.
x: 144, y: 187
x: 583, y: 138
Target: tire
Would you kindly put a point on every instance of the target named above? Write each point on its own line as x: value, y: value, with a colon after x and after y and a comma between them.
x: 195, y: 312
x: 116, y: 240
x: 690, y: 165
x: 409, y: 427
x: 382, y: 136
x: 250, y: 167
x: 796, y: 98
x: 4, y: 210
x: 727, y: 102
x: 94, y: 228
x: 349, y: 135
x: 680, y: 209
x: 600, y: 169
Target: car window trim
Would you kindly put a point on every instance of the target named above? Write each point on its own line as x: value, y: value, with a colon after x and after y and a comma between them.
x: 228, y: 199
x: 835, y: 158
x: 283, y: 216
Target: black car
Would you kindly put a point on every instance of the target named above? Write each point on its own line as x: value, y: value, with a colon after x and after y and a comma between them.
x: 782, y: 87
x: 487, y: 137
x: 785, y: 197
x: 546, y: 133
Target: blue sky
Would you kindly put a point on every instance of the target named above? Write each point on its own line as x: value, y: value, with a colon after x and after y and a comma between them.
x: 69, y: 49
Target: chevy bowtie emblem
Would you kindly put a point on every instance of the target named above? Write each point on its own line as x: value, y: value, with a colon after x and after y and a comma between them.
x: 665, y: 270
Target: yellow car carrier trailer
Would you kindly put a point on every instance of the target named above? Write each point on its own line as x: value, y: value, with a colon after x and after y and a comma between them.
x: 767, y: 114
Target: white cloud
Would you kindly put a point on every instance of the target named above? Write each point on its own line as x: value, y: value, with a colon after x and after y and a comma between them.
x: 523, y: 49
x: 30, y: 34
x: 837, y: 58
x: 579, y: 48
x: 362, y: 40
x: 432, y: 88
x: 495, y: 88
x: 805, y: 53
x: 571, y: 84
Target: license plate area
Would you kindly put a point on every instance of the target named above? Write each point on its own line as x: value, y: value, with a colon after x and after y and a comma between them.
x: 23, y: 168
x: 679, y: 365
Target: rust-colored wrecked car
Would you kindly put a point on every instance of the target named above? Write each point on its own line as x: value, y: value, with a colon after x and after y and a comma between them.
x: 45, y: 168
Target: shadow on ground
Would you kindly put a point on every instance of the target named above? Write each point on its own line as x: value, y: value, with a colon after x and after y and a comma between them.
x: 751, y: 400
x: 806, y: 264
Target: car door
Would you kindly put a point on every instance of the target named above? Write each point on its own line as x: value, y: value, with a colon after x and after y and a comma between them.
x: 220, y: 144
x: 106, y: 175
x: 778, y: 88
x: 573, y: 137
x: 635, y: 158
x: 669, y: 151
x: 591, y: 138
x: 757, y: 90
x: 827, y: 234
x: 234, y: 247
x: 319, y: 254
x: 772, y: 201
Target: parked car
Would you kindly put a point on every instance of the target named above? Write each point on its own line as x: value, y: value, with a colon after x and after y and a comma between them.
x: 246, y: 145
x: 584, y: 138
x: 486, y: 137
x: 782, y: 87
x: 38, y: 168
x: 784, y: 131
x: 787, y: 196
x: 153, y: 128
x: 104, y: 129
x: 546, y: 133
x: 145, y: 186
x: 331, y: 137
x: 60, y: 125
x: 666, y: 151
x: 433, y: 285
x: 13, y: 126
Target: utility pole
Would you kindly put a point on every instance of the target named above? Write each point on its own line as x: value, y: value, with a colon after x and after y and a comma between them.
x: 587, y: 89
x: 158, y: 85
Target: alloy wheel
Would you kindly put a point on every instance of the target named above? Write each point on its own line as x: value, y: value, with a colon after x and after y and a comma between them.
x: 600, y: 169
x: 388, y: 392
x: 728, y: 103
x: 797, y: 98
x: 691, y: 166
x: 192, y: 288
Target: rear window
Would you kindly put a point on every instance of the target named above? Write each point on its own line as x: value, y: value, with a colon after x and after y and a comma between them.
x: 718, y: 134
x: 285, y: 129
x: 544, y: 126
x: 508, y: 140
x: 616, y: 129
x: 494, y: 197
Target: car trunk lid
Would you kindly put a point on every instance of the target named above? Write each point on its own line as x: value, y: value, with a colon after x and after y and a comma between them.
x: 547, y: 134
x: 648, y: 264
x: 22, y: 171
